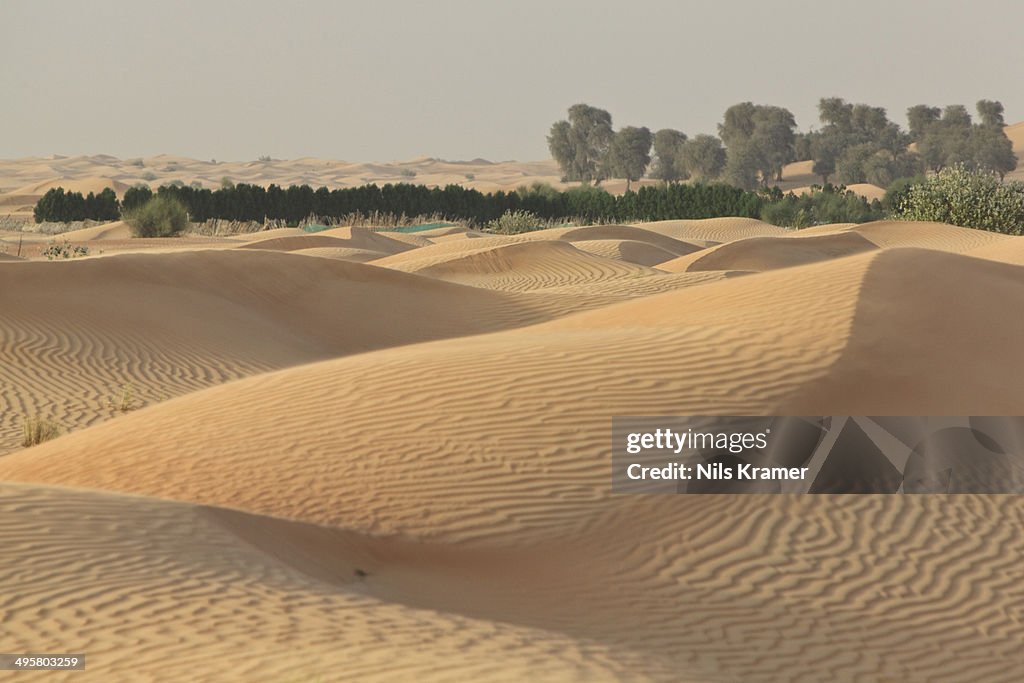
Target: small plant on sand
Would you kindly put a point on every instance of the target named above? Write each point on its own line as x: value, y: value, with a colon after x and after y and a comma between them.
x: 36, y: 430
x: 161, y: 216
x: 515, y: 222
x: 124, y: 400
x: 64, y: 250
x: 407, y: 173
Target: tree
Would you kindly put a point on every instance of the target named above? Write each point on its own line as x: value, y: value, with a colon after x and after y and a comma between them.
x: 135, y: 197
x: 991, y: 113
x: 851, y: 167
x: 702, y: 157
x: 992, y: 150
x: 580, y: 144
x: 629, y: 154
x: 759, y: 141
x: 102, y: 207
x: 919, y: 118
x: 668, y: 146
x: 742, y: 165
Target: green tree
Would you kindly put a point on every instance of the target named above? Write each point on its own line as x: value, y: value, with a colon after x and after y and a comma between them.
x: 135, y: 197
x: 759, y: 141
x: 991, y: 113
x: 629, y: 154
x: 702, y: 157
x: 668, y: 146
x: 920, y: 117
x: 992, y: 150
x: 580, y: 144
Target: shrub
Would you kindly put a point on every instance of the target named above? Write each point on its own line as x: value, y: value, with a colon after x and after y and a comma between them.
x: 407, y: 173
x: 973, y: 199
x: 820, y: 206
x: 161, y: 216
x: 36, y: 430
x: 149, y: 175
x: 64, y: 250
x: 515, y: 222
x: 897, y: 192
x: 124, y: 400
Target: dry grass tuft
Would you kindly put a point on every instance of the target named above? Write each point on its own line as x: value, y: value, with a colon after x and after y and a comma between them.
x: 36, y: 430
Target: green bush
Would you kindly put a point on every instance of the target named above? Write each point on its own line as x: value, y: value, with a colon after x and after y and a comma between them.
x: 515, y: 222
x: 820, y: 206
x: 972, y: 199
x: 161, y: 216
x: 64, y: 250
x: 897, y: 192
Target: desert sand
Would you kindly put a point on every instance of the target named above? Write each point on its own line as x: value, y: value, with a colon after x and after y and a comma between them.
x: 362, y: 455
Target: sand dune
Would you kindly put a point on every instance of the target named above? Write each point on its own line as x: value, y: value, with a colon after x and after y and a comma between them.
x: 179, y: 592
x: 409, y: 479
x: 118, y: 230
x: 616, y: 232
x: 211, y: 595
x: 173, y: 323
x: 343, y: 253
x: 718, y: 347
x: 769, y: 253
x: 308, y: 241
x: 94, y: 184
x: 630, y: 251
x: 714, y: 229
x: 1007, y: 251
x: 927, y: 235
x: 531, y: 265
x: 827, y: 343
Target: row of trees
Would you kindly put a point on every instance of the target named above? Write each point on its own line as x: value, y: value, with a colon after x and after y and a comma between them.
x: 299, y: 202
x: 60, y: 206
x: 856, y: 143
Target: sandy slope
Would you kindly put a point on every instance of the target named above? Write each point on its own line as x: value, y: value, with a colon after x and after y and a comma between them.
x: 118, y: 230
x: 531, y: 265
x: 438, y: 507
x: 1007, y: 251
x: 630, y: 251
x: 714, y: 229
x: 675, y: 589
x: 75, y: 332
x: 768, y: 253
x: 512, y: 416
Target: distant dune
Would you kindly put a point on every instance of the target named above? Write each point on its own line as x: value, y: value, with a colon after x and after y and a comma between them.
x: 399, y: 469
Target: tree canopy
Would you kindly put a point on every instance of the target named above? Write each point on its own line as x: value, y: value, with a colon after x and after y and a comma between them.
x: 580, y: 144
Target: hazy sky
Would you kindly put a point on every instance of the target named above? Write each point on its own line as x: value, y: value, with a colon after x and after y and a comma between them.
x: 458, y: 79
